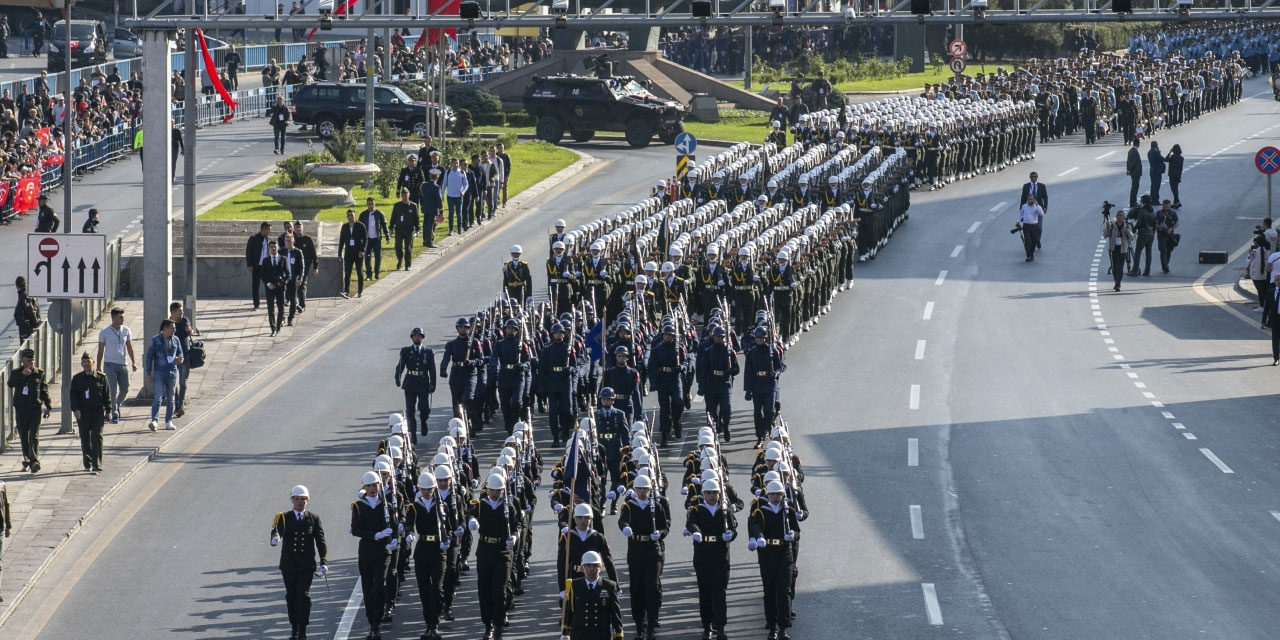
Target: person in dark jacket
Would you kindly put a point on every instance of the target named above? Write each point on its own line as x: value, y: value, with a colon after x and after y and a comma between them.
x: 1133, y: 169
x: 300, y: 536
x: 91, y: 404
x: 405, y: 225
x: 91, y: 222
x: 411, y: 178
x: 1155, y: 162
x: 432, y: 199
x: 279, y: 117
x: 26, y: 312
x: 274, y: 273
x: 47, y: 220
x: 351, y: 247
x: 311, y: 265
x: 1174, y: 162
x: 254, y: 252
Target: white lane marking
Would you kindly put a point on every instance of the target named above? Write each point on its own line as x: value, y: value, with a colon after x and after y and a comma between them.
x: 1108, y: 341
x: 1131, y: 374
x: 1124, y: 366
x: 913, y: 452
x: 917, y: 523
x: 974, y: 227
x: 1166, y: 415
x: 1140, y: 385
x: 1157, y: 404
x: 1222, y: 466
x: 1117, y: 356
x: 1148, y: 395
x: 1275, y: 514
x: 919, y: 349
x: 1188, y: 435
x: 928, y: 310
x: 1097, y: 314
x: 998, y: 207
x: 1113, y: 349
x: 1071, y: 170
x: 1107, y: 154
x: 1179, y: 425
x: 931, y: 603
x: 955, y: 252
x: 942, y: 276
x: 349, y: 614
x: 915, y: 397
x: 1102, y: 326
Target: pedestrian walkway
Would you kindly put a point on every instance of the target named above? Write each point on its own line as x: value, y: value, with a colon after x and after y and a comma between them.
x: 49, y: 506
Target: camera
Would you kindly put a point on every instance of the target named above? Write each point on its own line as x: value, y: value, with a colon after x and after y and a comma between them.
x: 1016, y: 228
x: 1106, y: 209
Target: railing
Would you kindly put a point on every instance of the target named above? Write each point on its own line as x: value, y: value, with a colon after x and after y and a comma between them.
x: 48, y: 345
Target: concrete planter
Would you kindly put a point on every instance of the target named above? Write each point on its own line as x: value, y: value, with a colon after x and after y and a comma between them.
x: 346, y: 176
x: 305, y: 203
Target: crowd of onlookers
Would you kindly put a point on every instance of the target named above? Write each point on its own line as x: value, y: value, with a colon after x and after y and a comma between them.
x: 721, y: 50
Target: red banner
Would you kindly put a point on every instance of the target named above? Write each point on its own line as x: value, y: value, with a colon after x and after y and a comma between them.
x: 28, y: 191
x: 442, y: 8
x: 54, y: 160
x: 4, y: 193
x: 212, y: 70
x: 339, y: 10
x: 44, y: 134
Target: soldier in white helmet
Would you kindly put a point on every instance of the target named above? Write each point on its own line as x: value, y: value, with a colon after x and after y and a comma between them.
x: 496, y: 524
x: 430, y: 527
x: 517, y: 281
x: 591, y: 607
x: 712, y: 527
x: 300, y: 536
x: 562, y: 279
x: 645, y: 520
x: 454, y: 498
x: 576, y: 540
x: 374, y: 522
x: 558, y: 235
x: 774, y: 530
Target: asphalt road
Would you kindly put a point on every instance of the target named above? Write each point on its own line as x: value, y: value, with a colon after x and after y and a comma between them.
x: 1055, y: 500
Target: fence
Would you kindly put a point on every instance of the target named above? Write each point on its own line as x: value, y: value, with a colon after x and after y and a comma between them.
x: 48, y: 345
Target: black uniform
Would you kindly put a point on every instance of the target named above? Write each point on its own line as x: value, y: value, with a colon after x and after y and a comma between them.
x: 370, y: 520
x: 517, y: 280
x: 645, y: 556
x: 405, y: 222
x: 308, y: 248
x: 274, y: 273
x: 765, y: 363
x: 352, y: 242
x: 495, y: 523
x: 711, y: 560
x: 592, y: 611
x: 511, y: 359
x: 467, y: 357
x: 418, y: 366
x: 432, y: 524
x: 717, y: 365
x: 29, y: 392
x: 666, y: 361
x: 776, y: 558
x: 91, y: 398
x: 580, y: 542
x: 301, y: 539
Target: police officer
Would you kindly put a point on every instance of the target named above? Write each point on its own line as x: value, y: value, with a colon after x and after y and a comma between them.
x: 712, y: 528
x: 625, y: 382
x: 666, y: 360
x: 772, y: 527
x: 418, y: 366
x: 374, y: 522
x: 717, y: 365
x: 517, y: 281
x: 496, y: 523
x: 512, y: 361
x: 91, y: 403
x: 431, y: 526
x: 591, y: 609
x: 556, y: 363
x: 30, y: 390
x: 467, y: 356
x: 303, y: 537
x: 645, y: 520
x: 764, y: 364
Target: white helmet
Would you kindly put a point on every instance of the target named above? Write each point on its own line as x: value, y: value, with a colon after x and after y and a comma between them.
x: 783, y: 255
x: 557, y: 245
x: 395, y: 442
x: 640, y: 279
x: 496, y: 481
x: 710, y: 485
x: 300, y: 491
x: 637, y: 427
x: 515, y: 248
x: 650, y: 266
x: 583, y: 510
x: 591, y: 557
x: 371, y: 477
x: 426, y: 481
x: 443, y: 471
x: 395, y: 420
x: 560, y: 223
x: 641, y: 482
x: 775, y: 487
x: 586, y: 424
x: 668, y: 267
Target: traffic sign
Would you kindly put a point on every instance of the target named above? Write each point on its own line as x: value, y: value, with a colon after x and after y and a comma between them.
x: 957, y: 65
x: 682, y: 165
x: 1267, y: 160
x: 66, y: 265
x: 958, y: 48
x: 686, y: 143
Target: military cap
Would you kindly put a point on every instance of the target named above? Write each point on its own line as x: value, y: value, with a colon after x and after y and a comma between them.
x: 606, y: 392
x: 27, y: 353
x: 417, y: 331
x: 512, y: 323
x: 760, y: 332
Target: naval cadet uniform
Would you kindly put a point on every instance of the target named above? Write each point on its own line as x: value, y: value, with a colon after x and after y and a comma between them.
x: 592, y: 610
x: 301, y: 540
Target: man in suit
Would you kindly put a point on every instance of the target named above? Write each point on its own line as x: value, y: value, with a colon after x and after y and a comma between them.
x: 1037, y: 190
x: 296, y: 272
x: 416, y: 374
x: 351, y: 246
x: 274, y: 274
x: 1133, y: 169
x: 255, y: 250
x: 310, y: 265
x: 375, y: 224
x: 303, y: 538
x: 1156, y: 164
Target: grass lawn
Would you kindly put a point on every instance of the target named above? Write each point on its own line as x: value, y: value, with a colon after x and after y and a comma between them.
x: 533, y: 161
x: 932, y: 74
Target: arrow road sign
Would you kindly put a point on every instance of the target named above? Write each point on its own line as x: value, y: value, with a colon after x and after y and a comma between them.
x: 957, y: 65
x: 686, y: 143
x: 1267, y: 160
x: 958, y: 48
x: 82, y: 259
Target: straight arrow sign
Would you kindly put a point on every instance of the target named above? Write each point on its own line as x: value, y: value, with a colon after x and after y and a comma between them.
x: 66, y: 275
x: 80, y: 268
x: 96, y: 267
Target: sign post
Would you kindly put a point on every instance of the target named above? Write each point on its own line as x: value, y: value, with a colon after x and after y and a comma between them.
x: 958, y: 50
x: 686, y: 144
x: 682, y: 165
x: 1268, y: 162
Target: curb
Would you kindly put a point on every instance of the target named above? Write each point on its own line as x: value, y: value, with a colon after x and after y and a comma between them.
x: 582, y: 167
x: 1245, y: 289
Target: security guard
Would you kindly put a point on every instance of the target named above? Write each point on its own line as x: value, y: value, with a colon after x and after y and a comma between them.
x: 645, y: 520
x: 625, y: 382
x: 717, y: 365
x: 496, y: 523
x: 765, y: 363
x: 666, y: 362
x: 512, y: 360
x: 556, y: 364
x: 467, y: 356
x: 303, y: 538
x: 772, y: 527
x: 517, y: 281
x: 431, y: 525
x: 578, y: 539
x: 375, y: 524
x: 418, y: 366
x: 591, y: 609
x: 91, y: 403
x: 30, y: 390
x: 712, y: 527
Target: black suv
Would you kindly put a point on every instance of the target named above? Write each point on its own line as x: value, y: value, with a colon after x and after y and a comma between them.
x: 582, y: 105
x: 88, y: 44
x: 328, y: 106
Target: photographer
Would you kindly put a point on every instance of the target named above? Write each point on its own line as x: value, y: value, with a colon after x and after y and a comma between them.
x: 1029, y: 217
x: 1257, y: 268
x: 1118, y: 235
x: 1143, y: 220
x: 1166, y: 224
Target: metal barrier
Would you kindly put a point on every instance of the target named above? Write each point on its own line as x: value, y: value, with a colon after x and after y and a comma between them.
x: 48, y: 345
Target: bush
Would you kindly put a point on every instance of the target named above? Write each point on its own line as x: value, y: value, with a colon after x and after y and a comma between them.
x: 520, y: 119
x: 344, y: 145
x: 474, y: 99
x: 390, y: 160
x: 498, y: 119
x: 463, y: 125
x: 292, y: 171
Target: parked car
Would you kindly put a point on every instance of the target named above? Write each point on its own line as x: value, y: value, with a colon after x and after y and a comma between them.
x: 125, y: 44
x: 329, y: 106
x: 88, y: 44
x: 582, y: 105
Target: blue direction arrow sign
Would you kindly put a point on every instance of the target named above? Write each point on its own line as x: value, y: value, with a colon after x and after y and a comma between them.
x: 686, y: 144
x: 1267, y: 160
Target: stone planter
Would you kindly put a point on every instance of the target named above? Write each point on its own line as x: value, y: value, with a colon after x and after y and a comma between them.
x: 346, y: 176
x: 305, y: 203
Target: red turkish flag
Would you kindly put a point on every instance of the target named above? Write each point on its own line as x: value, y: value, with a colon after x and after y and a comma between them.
x: 4, y: 193
x: 54, y: 160
x: 44, y: 134
x: 443, y: 8
x: 28, y: 190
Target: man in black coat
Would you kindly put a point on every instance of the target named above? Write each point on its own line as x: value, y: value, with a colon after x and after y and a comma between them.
x: 255, y: 250
x: 351, y: 246
x: 46, y: 220
x: 416, y: 375
x: 303, y: 538
x: 405, y: 224
x: 311, y: 266
x: 592, y: 609
x: 295, y: 264
x: 274, y: 274
x: 1133, y: 169
x: 375, y: 223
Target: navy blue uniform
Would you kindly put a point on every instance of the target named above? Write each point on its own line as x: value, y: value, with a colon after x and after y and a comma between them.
x: 717, y: 366
x: 511, y: 360
x: 764, y: 365
x: 666, y: 364
x: 464, y: 376
x: 416, y: 375
x: 556, y: 368
x: 625, y: 382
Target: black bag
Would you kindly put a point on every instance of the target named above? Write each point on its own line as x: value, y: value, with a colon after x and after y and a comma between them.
x: 1174, y: 239
x: 195, y: 355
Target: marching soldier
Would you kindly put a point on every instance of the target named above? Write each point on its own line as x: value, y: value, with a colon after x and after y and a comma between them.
x: 625, y: 382
x: 559, y: 235
x: 773, y: 528
x: 429, y: 524
x: 511, y: 359
x: 467, y: 357
x: 303, y: 538
x: 556, y: 364
x: 517, y: 281
x: 578, y: 539
x: 91, y: 404
x: 712, y: 527
x: 645, y: 520
x: 595, y: 273
x: 783, y: 283
x: 418, y: 366
x: 373, y: 522
x: 743, y: 278
x: 454, y: 504
x: 765, y: 364
x: 30, y: 390
x: 561, y: 279
x: 592, y: 610
x: 717, y: 365
x: 666, y: 361
x: 496, y: 523
x: 611, y: 429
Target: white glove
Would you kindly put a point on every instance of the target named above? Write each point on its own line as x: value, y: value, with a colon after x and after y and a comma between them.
x: 697, y: 537
x: 408, y: 539
x: 473, y: 525
x: 760, y: 544
x: 511, y: 541
x: 563, y: 637
x: 400, y: 528
x: 795, y: 285
x: 685, y: 533
x: 800, y: 515
x: 626, y: 531
x: 458, y: 531
x: 385, y: 533
x: 324, y: 571
x: 275, y: 540
x: 720, y: 283
x: 728, y: 536
x: 757, y: 492
x: 556, y: 507
x: 565, y: 274
x: 755, y: 278
x: 445, y: 544
x: 562, y: 598
x: 611, y: 495
x: 789, y: 537
x: 393, y: 545
x: 564, y: 530
x: 751, y: 544
x: 684, y: 491
x: 655, y: 536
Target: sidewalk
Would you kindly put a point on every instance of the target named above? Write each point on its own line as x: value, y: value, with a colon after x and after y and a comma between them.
x: 50, y: 506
